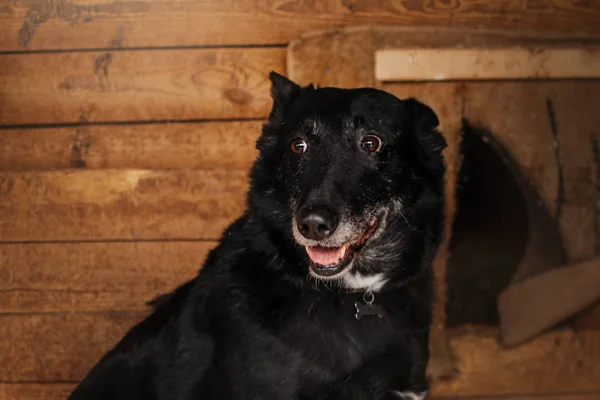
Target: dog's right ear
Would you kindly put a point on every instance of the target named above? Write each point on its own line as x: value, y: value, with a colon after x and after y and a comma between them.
x: 283, y: 91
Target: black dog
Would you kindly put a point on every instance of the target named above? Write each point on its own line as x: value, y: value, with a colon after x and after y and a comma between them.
x: 322, y: 289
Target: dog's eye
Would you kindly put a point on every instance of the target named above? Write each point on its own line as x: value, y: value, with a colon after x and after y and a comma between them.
x: 370, y: 144
x: 299, y: 146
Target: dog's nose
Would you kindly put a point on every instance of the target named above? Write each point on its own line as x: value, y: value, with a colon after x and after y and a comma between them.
x: 317, y: 223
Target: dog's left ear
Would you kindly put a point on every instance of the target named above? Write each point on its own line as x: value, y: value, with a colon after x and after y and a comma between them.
x: 429, y: 141
x: 283, y: 91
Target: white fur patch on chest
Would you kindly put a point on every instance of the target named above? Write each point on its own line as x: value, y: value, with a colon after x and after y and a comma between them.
x: 409, y: 395
x: 358, y: 281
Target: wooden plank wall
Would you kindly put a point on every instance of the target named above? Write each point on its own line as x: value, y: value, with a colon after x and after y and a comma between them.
x: 126, y: 131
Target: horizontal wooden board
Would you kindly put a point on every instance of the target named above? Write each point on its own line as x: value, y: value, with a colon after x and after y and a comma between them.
x: 43, y: 277
x: 137, y: 85
x: 545, y: 300
x: 62, y: 347
x: 134, y: 23
x: 119, y: 204
x: 556, y: 362
x: 487, y: 63
x: 145, y: 146
x: 36, y: 391
x: 59, y: 391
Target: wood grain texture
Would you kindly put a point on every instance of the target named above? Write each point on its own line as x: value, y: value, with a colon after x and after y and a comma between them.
x: 36, y: 391
x: 61, y: 277
x: 527, y: 136
x: 553, y: 145
x: 520, y: 120
x: 38, y: 24
x: 147, y: 146
x: 577, y: 124
x: 119, y: 204
x: 539, y: 303
x: 137, y: 85
x: 62, y: 347
x: 577, y: 116
x: 59, y: 391
x: 487, y: 64
x: 330, y: 57
x: 556, y: 362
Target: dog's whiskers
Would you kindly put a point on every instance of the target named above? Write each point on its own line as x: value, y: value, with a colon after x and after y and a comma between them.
x: 405, y: 219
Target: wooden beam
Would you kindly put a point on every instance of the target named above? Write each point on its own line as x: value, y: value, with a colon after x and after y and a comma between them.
x: 61, y: 277
x: 35, y: 25
x: 119, y: 204
x: 545, y: 300
x: 155, y: 85
x: 422, y: 64
x: 218, y: 144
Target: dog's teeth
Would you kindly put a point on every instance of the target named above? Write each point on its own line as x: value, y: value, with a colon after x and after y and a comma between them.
x: 343, y: 252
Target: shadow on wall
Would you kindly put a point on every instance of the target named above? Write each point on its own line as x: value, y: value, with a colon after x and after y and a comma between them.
x: 501, y: 233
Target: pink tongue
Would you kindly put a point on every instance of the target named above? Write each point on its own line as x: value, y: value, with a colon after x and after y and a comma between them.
x: 324, y: 255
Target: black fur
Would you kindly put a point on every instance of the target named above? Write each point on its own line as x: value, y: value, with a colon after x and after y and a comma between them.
x: 254, y: 324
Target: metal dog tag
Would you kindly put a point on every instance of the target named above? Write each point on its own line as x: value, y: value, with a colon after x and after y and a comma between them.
x: 367, y: 308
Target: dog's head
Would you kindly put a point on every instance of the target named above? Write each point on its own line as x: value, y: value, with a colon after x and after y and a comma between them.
x: 350, y: 175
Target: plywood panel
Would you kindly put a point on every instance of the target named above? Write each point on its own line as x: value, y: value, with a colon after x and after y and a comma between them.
x: 137, y: 85
x: 44, y: 277
x: 134, y: 23
x: 577, y: 124
x: 119, y: 204
x: 528, y: 137
x: 145, y: 146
